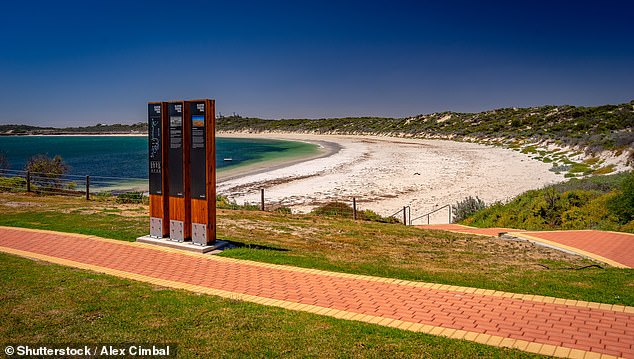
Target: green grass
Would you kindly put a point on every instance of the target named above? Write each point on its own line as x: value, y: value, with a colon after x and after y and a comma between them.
x: 44, y: 303
x: 369, y: 248
x: 107, y: 225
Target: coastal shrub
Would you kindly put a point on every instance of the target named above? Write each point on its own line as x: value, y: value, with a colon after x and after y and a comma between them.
x: 602, y: 202
x: 622, y: 205
x: 341, y: 209
x: 466, y: 207
x: 369, y: 215
x: 102, y: 196
x: 593, y: 214
x: 225, y: 203
x: 46, y: 172
x: 604, y: 170
x: 283, y: 210
x: 12, y: 184
x: 130, y: 197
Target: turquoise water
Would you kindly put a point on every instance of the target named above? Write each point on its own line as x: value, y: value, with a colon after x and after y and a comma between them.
x: 125, y: 156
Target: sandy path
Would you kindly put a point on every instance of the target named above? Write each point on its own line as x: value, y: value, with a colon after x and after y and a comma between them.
x: 385, y: 174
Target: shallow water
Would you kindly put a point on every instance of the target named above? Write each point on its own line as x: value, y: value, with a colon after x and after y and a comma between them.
x: 126, y: 156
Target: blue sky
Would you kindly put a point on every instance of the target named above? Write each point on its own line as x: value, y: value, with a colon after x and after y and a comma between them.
x: 70, y: 63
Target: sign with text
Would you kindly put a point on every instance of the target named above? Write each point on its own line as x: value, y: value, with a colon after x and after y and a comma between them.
x: 182, y: 164
x: 155, y: 139
x: 158, y: 169
x: 198, y: 150
x: 200, y: 115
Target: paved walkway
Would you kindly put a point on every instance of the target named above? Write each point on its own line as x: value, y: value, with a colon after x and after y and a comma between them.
x: 614, y: 248
x: 551, y: 326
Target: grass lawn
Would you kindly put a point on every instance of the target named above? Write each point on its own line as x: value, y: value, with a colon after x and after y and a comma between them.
x: 46, y: 303
x: 387, y: 250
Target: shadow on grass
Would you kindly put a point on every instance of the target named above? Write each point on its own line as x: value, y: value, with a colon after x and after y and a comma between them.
x: 234, y: 244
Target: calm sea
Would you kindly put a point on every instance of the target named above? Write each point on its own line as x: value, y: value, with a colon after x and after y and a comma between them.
x: 126, y: 156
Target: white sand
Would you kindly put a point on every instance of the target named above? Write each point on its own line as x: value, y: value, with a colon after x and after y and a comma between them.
x: 385, y: 174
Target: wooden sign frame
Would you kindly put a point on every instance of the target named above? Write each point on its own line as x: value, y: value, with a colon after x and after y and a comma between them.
x: 158, y: 170
x: 203, y: 199
x: 179, y: 196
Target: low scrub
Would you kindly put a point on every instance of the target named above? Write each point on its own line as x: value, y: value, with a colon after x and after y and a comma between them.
x: 467, y: 207
x: 605, y: 202
x: 14, y: 184
x: 225, y: 203
x: 340, y: 209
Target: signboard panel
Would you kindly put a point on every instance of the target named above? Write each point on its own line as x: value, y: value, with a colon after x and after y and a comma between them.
x: 175, y: 152
x: 182, y: 170
x: 201, y: 115
x: 198, y: 156
x: 155, y: 140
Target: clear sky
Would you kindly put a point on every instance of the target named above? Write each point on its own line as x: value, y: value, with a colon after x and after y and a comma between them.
x: 67, y: 63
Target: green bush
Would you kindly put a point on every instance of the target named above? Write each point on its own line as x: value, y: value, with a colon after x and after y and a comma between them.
x: 46, y: 172
x: 130, y: 197
x: 466, y: 207
x: 622, y: 205
x: 17, y: 184
x: 341, y: 209
x: 603, y: 202
x: 102, y: 196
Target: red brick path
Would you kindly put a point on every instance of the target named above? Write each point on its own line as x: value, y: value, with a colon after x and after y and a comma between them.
x: 618, y: 247
x: 570, y: 326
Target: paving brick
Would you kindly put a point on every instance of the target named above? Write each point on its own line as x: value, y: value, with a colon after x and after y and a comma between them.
x: 440, y: 309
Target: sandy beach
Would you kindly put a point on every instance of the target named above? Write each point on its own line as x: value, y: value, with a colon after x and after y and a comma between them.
x: 384, y: 174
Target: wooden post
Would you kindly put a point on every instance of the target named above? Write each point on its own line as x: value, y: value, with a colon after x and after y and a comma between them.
x: 405, y: 216
x: 262, y: 199
x: 354, y: 208
x: 87, y: 188
x: 28, y: 181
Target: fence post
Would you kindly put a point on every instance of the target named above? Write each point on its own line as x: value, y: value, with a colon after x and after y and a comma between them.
x: 28, y: 181
x: 405, y: 215
x: 262, y: 199
x: 450, y: 214
x: 354, y: 208
x: 87, y: 188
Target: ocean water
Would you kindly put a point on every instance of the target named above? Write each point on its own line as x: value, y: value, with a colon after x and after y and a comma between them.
x: 127, y: 156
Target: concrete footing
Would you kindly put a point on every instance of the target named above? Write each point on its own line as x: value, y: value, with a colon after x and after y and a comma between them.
x: 186, y: 246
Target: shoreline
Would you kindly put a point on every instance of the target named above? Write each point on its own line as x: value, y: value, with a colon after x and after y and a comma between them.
x: 385, y: 174
x: 324, y: 149
x: 382, y: 173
